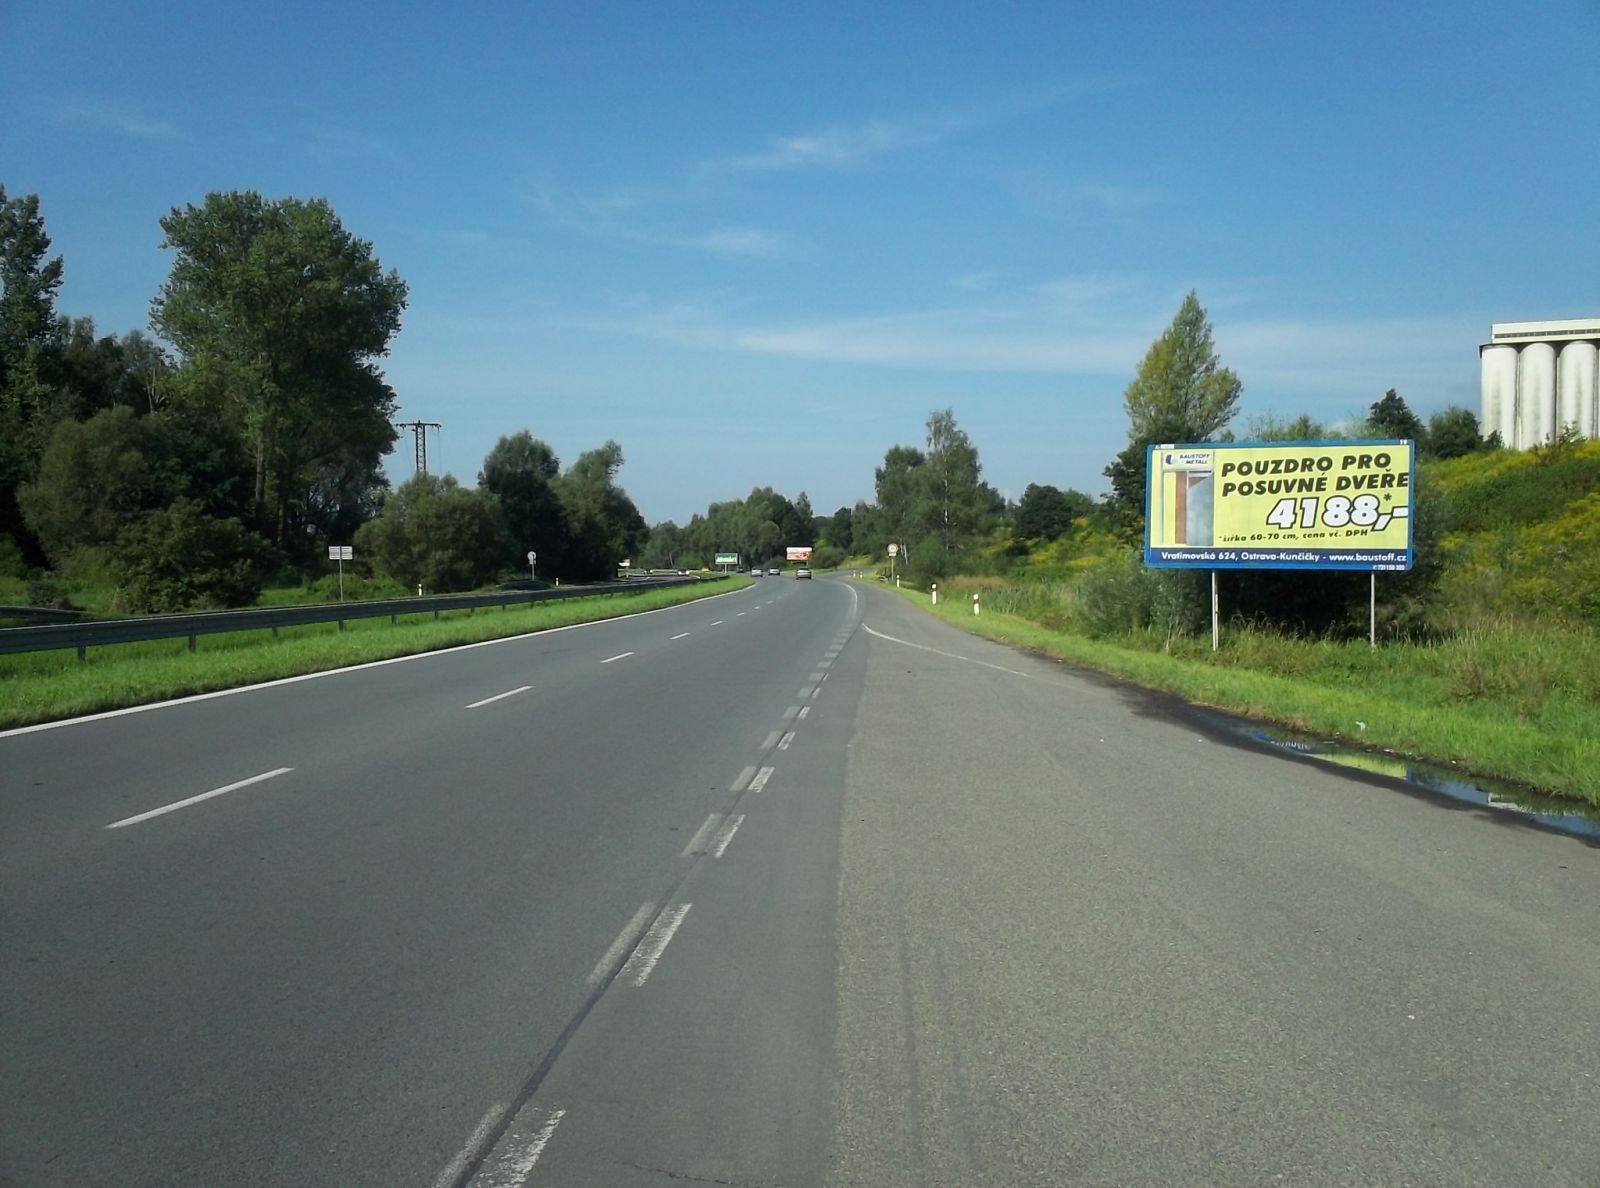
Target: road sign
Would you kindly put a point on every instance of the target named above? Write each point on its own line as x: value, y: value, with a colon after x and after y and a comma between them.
x: 532, y: 556
x: 341, y: 553
x: 894, y: 550
x: 727, y: 559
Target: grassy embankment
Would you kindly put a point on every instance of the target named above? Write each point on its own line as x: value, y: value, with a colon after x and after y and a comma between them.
x: 1503, y: 681
x: 42, y: 686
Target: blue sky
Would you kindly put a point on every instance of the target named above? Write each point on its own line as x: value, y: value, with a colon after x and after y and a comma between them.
x: 757, y: 244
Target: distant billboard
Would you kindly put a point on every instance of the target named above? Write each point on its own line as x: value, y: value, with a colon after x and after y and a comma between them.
x: 1280, y: 505
x: 727, y: 559
x: 800, y: 553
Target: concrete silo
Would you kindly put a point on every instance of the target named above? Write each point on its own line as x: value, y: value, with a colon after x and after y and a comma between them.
x: 1538, y: 378
x: 1536, y: 395
x: 1499, y: 392
x: 1576, y: 394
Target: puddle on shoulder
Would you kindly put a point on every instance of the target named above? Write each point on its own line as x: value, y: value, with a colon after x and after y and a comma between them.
x: 1562, y: 816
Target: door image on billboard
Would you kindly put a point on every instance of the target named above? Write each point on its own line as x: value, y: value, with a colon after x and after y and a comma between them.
x: 1194, y: 495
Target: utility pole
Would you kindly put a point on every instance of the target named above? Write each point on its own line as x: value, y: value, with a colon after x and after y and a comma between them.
x: 419, y: 433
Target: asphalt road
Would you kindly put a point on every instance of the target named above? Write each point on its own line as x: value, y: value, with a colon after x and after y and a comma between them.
x: 794, y: 886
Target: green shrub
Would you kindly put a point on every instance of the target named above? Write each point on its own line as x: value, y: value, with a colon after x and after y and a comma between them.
x: 180, y: 558
x: 1117, y: 596
x: 827, y: 557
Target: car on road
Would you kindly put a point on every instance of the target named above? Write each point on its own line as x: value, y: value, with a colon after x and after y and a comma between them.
x: 775, y: 571
x: 802, y: 573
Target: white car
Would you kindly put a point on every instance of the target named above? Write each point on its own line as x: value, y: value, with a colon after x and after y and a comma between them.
x: 803, y: 573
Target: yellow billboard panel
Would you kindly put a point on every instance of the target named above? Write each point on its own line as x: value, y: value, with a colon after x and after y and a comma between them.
x: 1280, y: 505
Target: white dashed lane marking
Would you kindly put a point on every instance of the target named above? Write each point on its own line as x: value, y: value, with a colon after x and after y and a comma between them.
x: 643, y: 962
x: 185, y: 803
x: 514, y: 1156
x: 499, y: 697
x: 725, y: 834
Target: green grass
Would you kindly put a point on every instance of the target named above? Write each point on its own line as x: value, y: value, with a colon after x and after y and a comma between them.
x: 44, y: 686
x: 1507, y: 702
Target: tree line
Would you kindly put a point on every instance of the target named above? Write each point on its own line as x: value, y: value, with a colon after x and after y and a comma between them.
x: 191, y: 467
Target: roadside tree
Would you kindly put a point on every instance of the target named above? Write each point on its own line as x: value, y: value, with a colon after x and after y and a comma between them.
x: 281, y: 316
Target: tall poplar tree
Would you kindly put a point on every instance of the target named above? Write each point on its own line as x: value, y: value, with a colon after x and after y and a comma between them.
x: 281, y: 316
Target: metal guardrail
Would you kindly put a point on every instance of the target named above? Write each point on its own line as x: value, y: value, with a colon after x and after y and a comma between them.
x: 82, y: 636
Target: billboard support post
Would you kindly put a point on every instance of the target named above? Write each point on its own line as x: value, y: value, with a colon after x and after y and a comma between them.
x: 1216, y: 630
x: 1372, y: 609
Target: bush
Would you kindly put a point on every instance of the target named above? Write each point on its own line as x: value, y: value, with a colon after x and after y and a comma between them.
x: 180, y: 558
x: 1117, y: 596
x: 435, y: 534
x: 44, y: 591
x: 827, y: 557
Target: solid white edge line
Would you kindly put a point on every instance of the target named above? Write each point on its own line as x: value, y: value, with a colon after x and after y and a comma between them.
x: 698, y: 841
x: 626, y: 939
x: 761, y: 779
x: 518, y: 1156
x: 452, y: 1170
x: 725, y: 834
x: 499, y: 697
x: 330, y: 672
x: 655, y: 942
x: 946, y: 655
x: 618, y: 656
x: 178, y: 804
x: 742, y: 780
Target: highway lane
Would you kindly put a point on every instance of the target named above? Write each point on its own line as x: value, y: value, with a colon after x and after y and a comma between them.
x: 791, y: 887
x: 330, y: 976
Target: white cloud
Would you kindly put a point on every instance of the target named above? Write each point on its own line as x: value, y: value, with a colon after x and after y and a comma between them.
x: 835, y: 147
x: 94, y: 113
x: 1102, y: 326
x: 618, y: 217
x: 1043, y: 330
x: 1120, y: 199
x: 739, y: 241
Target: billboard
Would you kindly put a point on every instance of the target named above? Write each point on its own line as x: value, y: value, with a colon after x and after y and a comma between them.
x: 727, y: 559
x: 1279, y: 505
x: 800, y: 553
